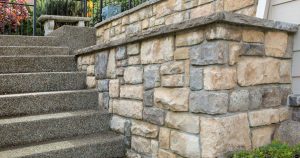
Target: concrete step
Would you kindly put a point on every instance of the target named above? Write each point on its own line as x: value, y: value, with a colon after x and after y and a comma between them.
x: 41, y: 82
x: 33, y: 50
x: 47, y: 102
x: 37, y: 64
x: 39, y: 128
x: 12, y: 40
x: 105, y: 145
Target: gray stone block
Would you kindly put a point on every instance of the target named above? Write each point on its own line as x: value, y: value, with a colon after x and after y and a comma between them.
x: 285, y: 92
x: 148, y: 98
x: 121, y: 53
x: 253, y: 49
x: 215, y: 52
x: 103, y: 85
x: 101, y: 65
x: 288, y: 132
x: 196, y: 78
x: 255, y: 95
x: 271, y: 97
x: 151, y: 76
x: 294, y: 100
x: 154, y: 115
x: 106, y: 100
x: 296, y: 114
x: 239, y: 101
x: 208, y: 102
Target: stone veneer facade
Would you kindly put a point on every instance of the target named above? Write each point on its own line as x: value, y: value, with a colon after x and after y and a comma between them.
x: 203, y: 88
x: 156, y: 13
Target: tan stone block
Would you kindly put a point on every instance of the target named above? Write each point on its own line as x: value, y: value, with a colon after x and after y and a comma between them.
x: 91, y: 81
x: 144, y: 129
x: 222, y: 31
x: 173, y: 67
x: 219, y: 135
x: 114, y: 88
x: 128, y: 108
x: 185, y: 144
x: 264, y: 117
x: 181, y: 53
x: 116, y: 22
x: 255, y: 71
x: 253, y: 36
x: 164, y: 138
x: 230, y: 5
x: 134, y: 17
x: 117, y: 123
x: 187, y: 65
x: 285, y: 71
x: 133, y: 49
x: 262, y: 136
x: 189, y: 38
x: 234, y: 52
x: 203, y: 10
x: 125, y: 20
x: 154, y: 148
x: 111, y: 65
x: 174, y: 18
x: 141, y: 144
x: 284, y: 113
x: 173, y: 80
x: 134, y: 60
x: 218, y: 78
x: 133, y: 75
x: 132, y: 92
x: 90, y: 71
x: 276, y: 44
x: 159, y: 21
x: 145, y: 24
x: 163, y: 8
x: 249, y: 11
x: 183, y: 121
x: 88, y: 59
x: 201, y: 2
x: 175, y: 99
x: 157, y: 50
x: 165, y: 154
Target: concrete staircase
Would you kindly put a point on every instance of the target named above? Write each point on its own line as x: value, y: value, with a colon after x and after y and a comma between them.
x: 45, y: 108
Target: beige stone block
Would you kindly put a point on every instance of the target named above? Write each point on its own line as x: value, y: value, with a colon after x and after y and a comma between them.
x: 219, y: 78
x: 249, y: 11
x: 276, y: 44
x: 111, y: 64
x: 165, y: 154
x: 91, y: 81
x: 88, y: 59
x: 164, y: 138
x: 132, y: 92
x: 187, y: 65
x: 264, y: 117
x: 159, y: 21
x: 145, y: 24
x: 128, y: 108
x: 262, y: 136
x: 125, y: 20
x: 284, y: 113
x: 173, y: 80
x: 134, y: 17
x: 219, y: 135
x: 114, y: 88
x: 181, y: 53
x: 174, y: 18
x: 90, y: 71
x: 222, y: 31
x: 157, y: 50
x: 230, y: 5
x: 253, y: 36
x: 285, y: 71
x: 154, y: 148
x: 185, y: 144
x: 133, y: 49
x: 133, y: 75
x: 144, y: 129
x: 175, y: 99
x: 203, y: 10
x: 134, y: 60
x: 116, y: 22
x: 189, y: 38
x: 234, y: 52
x: 117, y: 123
x: 141, y: 144
x: 255, y: 71
x: 173, y: 67
x: 183, y: 121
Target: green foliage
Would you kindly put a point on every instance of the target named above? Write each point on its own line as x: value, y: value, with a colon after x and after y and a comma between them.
x: 275, y: 150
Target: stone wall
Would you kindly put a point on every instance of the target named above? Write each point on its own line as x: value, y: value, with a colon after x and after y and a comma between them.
x: 203, y: 89
x: 156, y: 13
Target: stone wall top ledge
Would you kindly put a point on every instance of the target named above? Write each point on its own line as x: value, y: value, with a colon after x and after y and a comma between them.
x: 220, y: 17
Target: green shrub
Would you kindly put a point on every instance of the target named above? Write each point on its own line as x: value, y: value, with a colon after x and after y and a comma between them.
x: 275, y: 150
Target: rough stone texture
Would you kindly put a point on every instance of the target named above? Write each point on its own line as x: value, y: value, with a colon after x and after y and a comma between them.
x: 132, y: 92
x: 189, y: 38
x: 255, y: 95
x: 227, y: 32
x: 263, y: 117
x: 288, y: 132
x: 90, y: 71
x: 229, y: 133
x: 219, y: 78
x: 154, y: 115
x: 181, y: 53
x: 202, y: 10
x: 144, y: 129
x: 151, y: 76
x: 101, y: 65
x: 294, y: 100
x: 185, y: 144
x: 183, y: 122
x: 174, y: 99
x: 128, y: 108
x: 114, y: 88
x: 134, y: 60
x: 235, y: 49
x: 230, y: 5
x: 148, y: 98
x: 253, y: 36
x: 117, y: 123
x: 111, y: 65
x: 121, y: 53
x: 208, y: 102
x: 141, y: 144
x: 173, y: 67
x: 196, y: 78
x: 172, y: 81
x: 133, y: 49
x: 285, y: 71
x: 253, y: 50
x: 271, y: 97
x: 164, y: 138
x: 262, y: 136
x: 157, y: 50
x: 133, y: 75
x: 276, y: 44
x: 239, y: 101
x: 209, y: 53
x: 166, y: 154
x: 90, y: 81
x: 103, y: 85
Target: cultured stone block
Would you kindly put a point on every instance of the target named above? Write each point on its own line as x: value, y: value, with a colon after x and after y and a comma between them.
x: 276, y: 44
x: 253, y: 49
x: 164, y: 138
x: 174, y: 18
x: 128, y: 108
x: 203, y: 10
x: 239, y: 100
x: 117, y: 123
x: 134, y: 60
x: 151, y: 76
x: 285, y: 92
x: 141, y: 144
x: 111, y: 65
x: 173, y: 67
x: 209, y: 53
x: 271, y: 97
x: 230, y: 5
x: 120, y: 71
x: 133, y: 75
x: 133, y: 49
x: 148, y: 98
x: 284, y: 113
x: 255, y: 71
x: 226, y: 32
x: 196, y: 78
x: 90, y: 81
x: 219, y: 135
x: 90, y: 71
x: 133, y: 28
x: 114, y: 88
x: 288, y: 132
x: 262, y: 136
x: 122, y: 63
x: 175, y: 99
x: 181, y: 53
x: 172, y: 81
x: 121, y: 53
x: 235, y: 49
x: 255, y: 95
x: 144, y: 129
x: 132, y: 92
x: 189, y: 38
x: 219, y: 78
x: 88, y: 59
x: 185, y: 144
x: 103, y: 85
x: 154, y: 148
x: 104, y: 100
x: 253, y: 36
x: 263, y: 117
x: 209, y: 102
x: 285, y: 71
x: 101, y: 65
x: 183, y: 121
x: 166, y: 154
x: 154, y: 115
x: 157, y: 50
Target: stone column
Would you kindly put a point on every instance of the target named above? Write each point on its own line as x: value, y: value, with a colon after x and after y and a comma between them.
x: 49, y: 26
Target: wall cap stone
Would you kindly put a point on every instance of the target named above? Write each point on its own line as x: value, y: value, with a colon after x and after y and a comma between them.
x: 220, y: 17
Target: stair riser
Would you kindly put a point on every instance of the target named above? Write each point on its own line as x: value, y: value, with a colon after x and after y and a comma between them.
x: 47, y: 103
x: 43, y: 130
x: 33, y: 51
x: 28, y: 41
x: 37, y: 64
x: 41, y: 82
